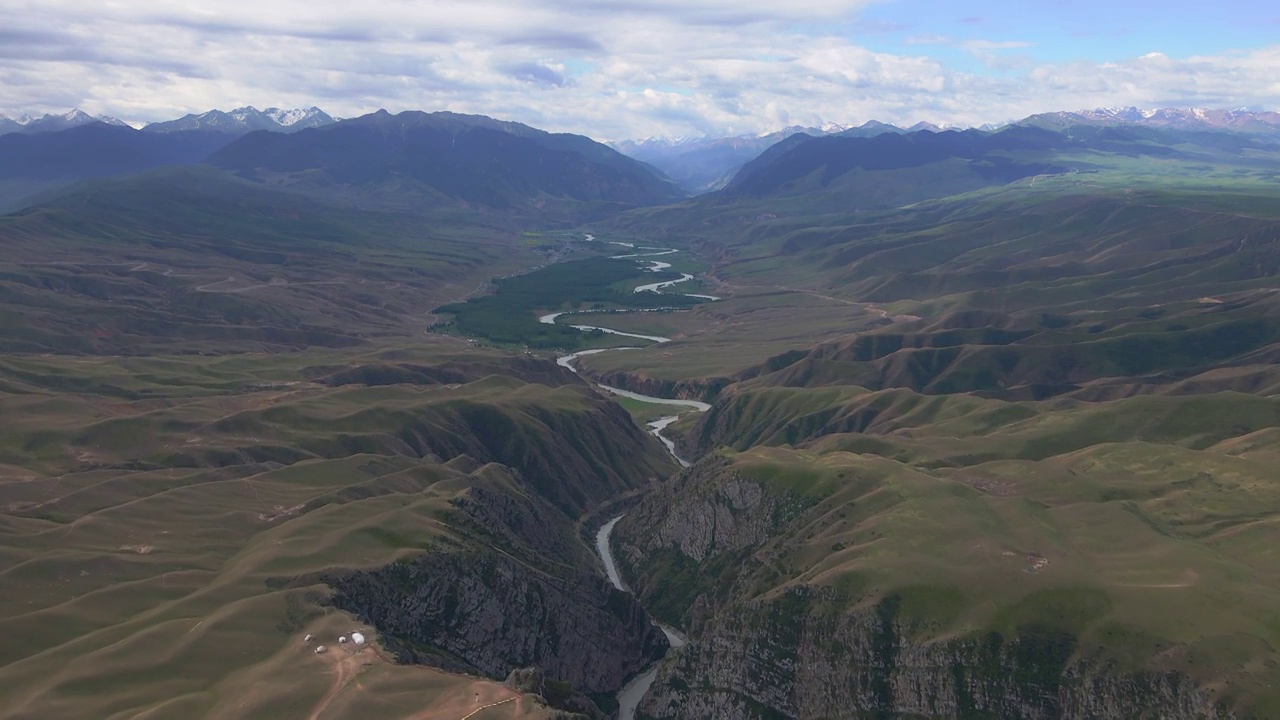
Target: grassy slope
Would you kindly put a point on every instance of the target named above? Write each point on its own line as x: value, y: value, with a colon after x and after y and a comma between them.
x: 1157, y: 557
x: 1144, y: 477
x: 156, y: 516
x: 1153, y: 555
x: 197, y: 257
x: 211, y: 389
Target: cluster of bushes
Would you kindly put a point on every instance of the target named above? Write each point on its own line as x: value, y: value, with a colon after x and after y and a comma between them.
x: 510, y: 315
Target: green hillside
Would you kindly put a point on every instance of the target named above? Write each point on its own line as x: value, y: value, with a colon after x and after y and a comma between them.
x: 170, y: 521
x: 993, y: 425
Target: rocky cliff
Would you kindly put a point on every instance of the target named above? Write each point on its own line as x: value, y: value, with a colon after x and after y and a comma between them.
x: 707, y: 551
x: 489, y: 614
x: 506, y: 583
x: 788, y: 656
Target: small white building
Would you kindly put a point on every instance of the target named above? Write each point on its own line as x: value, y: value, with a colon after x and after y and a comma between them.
x: 320, y: 649
x: 307, y: 639
x: 357, y: 638
x: 342, y: 639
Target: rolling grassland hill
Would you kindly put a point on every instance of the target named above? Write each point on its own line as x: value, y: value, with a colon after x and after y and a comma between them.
x: 860, y: 542
x: 224, y: 428
x: 992, y: 433
x: 193, y: 258
x: 1034, y: 479
x: 173, y: 527
x: 1141, y: 232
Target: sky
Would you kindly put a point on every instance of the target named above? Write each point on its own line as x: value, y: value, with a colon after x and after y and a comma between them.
x: 616, y: 69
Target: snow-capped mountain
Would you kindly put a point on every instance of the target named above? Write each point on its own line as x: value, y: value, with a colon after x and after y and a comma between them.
x: 52, y: 123
x: 923, y: 126
x: 247, y: 119
x: 1239, y: 120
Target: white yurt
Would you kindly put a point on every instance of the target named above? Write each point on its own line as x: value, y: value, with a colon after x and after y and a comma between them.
x: 357, y: 638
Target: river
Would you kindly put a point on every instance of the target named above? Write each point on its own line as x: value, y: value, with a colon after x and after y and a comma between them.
x: 567, y: 361
x: 634, y: 691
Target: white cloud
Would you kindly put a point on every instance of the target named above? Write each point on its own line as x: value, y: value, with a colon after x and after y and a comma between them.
x: 609, y: 68
x: 928, y: 39
x: 980, y: 45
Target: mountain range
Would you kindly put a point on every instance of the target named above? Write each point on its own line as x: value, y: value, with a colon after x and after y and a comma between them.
x: 239, y: 121
x: 246, y: 120
x: 703, y: 164
x: 406, y: 159
x: 1241, y: 120
x: 708, y: 163
x: 468, y: 158
x: 52, y: 123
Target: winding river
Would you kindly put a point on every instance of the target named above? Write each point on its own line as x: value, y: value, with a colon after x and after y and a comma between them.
x: 634, y: 691
x: 567, y: 361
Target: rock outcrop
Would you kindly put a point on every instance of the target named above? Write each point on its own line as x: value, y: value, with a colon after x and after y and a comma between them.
x: 490, y: 614
x: 710, y: 518
x: 789, y: 657
x: 765, y: 643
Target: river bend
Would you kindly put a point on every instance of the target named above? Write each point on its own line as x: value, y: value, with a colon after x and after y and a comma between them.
x: 634, y: 691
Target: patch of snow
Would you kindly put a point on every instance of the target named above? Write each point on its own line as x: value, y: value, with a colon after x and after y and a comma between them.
x: 287, y: 118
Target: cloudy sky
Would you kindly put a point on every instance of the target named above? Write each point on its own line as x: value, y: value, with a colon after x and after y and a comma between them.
x: 615, y: 69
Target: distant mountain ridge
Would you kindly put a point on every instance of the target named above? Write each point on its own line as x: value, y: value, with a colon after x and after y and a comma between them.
x: 842, y: 173
x: 246, y: 120
x: 53, y: 123
x: 702, y: 164
x: 709, y: 163
x: 237, y: 122
x: 399, y: 160
x: 1239, y: 120
x: 100, y: 150
x: 958, y: 161
x: 469, y: 158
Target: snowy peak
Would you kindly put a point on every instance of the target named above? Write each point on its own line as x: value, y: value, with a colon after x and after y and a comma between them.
x: 923, y: 126
x: 1115, y: 114
x: 310, y: 117
x: 1193, y: 118
x: 246, y: 120
x: 871, y: 128
x: 53, y: 123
